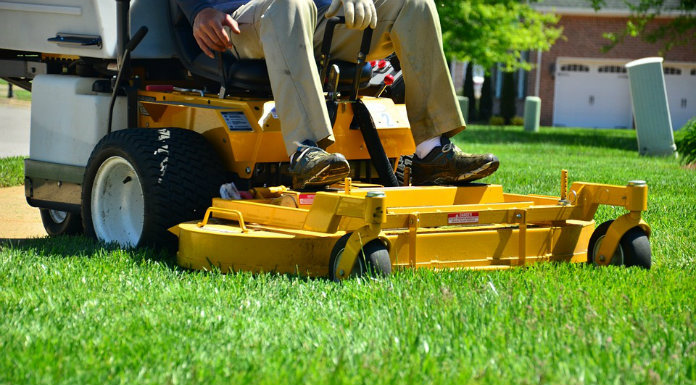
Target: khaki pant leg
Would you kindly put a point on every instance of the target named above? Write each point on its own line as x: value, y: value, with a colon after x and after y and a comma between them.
x: 411, y: 28
x: 282, y: 31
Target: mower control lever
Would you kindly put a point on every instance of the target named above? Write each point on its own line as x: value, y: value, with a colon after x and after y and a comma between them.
x: 325, y: 56
x: 334, y: 75
x: 136, y: 39
x: 124, y: 69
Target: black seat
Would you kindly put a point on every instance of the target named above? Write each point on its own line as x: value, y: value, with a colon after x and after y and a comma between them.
x: 249, y: 76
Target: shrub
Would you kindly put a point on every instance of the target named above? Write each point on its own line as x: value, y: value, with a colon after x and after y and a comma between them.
x: 686, y: 142
x: 517, y: 121
x: 496, y: 121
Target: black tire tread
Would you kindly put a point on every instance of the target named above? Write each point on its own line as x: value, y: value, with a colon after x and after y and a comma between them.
x: 405, y: 162
x: 179, y: 173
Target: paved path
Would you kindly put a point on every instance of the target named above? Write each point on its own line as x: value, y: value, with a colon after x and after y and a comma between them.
x: 14, y: 128
x: 18, y: 220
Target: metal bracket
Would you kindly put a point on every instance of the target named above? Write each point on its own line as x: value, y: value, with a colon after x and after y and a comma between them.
x: 617, y: 230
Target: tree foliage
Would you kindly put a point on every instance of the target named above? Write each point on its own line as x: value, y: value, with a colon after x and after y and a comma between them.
x: 495, y: 31
x: 681, y: 30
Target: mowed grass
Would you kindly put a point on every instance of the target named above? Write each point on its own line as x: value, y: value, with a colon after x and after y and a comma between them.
x: 74, y: 311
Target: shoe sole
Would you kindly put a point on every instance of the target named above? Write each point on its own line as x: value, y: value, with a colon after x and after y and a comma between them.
x: 480, y: 173
x: 326, y: 176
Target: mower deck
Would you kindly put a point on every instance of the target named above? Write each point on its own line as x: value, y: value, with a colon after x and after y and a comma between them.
x: 476, y: 226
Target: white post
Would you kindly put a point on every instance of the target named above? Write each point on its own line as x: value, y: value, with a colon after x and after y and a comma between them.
x: 650, y: 108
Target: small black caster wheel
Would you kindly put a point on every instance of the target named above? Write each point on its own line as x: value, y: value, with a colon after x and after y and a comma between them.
x: 372, y: 260
x: 633, y: 248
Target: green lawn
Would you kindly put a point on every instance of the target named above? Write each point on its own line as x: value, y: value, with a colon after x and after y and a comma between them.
x: 74, y: 311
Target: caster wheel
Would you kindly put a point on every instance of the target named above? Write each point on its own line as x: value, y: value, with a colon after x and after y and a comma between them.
x: 373, y: 260
x: 633, y: 248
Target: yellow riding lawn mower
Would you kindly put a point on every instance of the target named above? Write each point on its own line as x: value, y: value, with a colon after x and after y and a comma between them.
x: 146, y: 141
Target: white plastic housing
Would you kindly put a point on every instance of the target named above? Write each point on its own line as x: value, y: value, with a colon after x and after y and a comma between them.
x: 26, y: 25
x: 68, y: 119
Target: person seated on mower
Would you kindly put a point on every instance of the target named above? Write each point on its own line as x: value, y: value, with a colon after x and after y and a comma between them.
x: 288, y: 34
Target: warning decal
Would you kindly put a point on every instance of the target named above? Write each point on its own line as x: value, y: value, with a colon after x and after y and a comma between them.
x: 459, y: 218
x: 307, y: 199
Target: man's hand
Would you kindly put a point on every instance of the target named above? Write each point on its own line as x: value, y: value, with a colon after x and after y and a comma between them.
x: 359, y: 13
x: 209, y: 31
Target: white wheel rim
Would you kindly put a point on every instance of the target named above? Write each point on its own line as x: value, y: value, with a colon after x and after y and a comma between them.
x: 617, y: 259
x: 57, y: 216
x: 118, y: 205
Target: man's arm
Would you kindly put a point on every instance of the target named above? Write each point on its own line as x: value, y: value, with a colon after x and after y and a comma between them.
x: 192, y: 7
x: 208, y: 25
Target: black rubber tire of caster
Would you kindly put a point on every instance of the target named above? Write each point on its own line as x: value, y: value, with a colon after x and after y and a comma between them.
x: 373, y: 260
x: 58, y: 223
x: 633, y: 250
x: 164, y: 176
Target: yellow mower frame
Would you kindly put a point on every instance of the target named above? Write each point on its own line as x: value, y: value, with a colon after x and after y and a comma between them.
x: 475, y: 226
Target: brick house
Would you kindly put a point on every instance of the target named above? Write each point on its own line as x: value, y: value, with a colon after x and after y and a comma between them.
x: 581, y: 86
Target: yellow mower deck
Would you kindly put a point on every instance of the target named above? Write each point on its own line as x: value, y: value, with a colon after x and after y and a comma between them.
x: 476, y: 226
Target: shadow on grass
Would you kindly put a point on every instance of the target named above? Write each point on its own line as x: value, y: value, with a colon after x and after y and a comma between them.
x: 618, y: 139
x: 83, y: 247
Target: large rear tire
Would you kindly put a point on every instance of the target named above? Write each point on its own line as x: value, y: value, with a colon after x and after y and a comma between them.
x: 140, y: 182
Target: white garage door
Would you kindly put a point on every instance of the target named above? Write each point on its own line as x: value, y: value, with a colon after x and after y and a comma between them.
x: 591, y: 94
x: 680, y: 82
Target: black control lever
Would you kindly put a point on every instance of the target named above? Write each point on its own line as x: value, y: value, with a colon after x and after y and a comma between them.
x: 360, y: 111
x: 124, y: 68
x: 136, y: 39
x: 362, y: 56
x: 325, y: 56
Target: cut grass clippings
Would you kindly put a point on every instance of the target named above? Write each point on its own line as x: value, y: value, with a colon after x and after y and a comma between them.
x: 75, y: 311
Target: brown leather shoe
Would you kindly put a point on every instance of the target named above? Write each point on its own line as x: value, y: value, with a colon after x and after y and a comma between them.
x: 312, y: 167
x: 447, y: 165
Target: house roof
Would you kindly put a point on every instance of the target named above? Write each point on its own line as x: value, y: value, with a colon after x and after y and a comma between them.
x: 609, y: 7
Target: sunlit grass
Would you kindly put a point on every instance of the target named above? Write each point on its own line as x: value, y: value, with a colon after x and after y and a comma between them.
x: 11, y: 171
x: 74, y: 311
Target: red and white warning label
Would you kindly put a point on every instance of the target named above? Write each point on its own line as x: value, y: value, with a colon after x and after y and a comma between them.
x: 459, y: 218
x: 307, y: 199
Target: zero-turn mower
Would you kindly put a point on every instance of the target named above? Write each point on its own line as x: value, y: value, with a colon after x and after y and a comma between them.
x: 132, y: 151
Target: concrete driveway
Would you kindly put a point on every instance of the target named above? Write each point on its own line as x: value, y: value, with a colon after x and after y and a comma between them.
x: 15, y: 120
